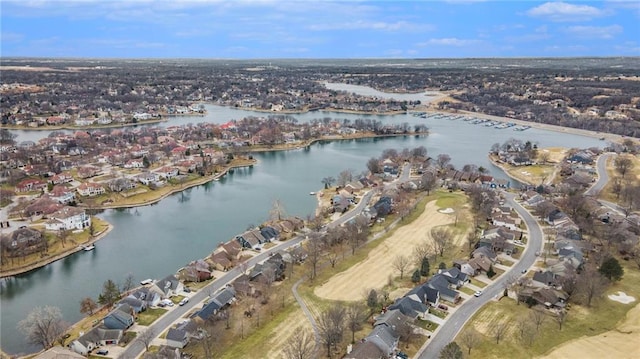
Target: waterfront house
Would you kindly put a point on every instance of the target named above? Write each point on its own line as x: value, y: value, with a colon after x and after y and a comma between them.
x: 138, y: 305
x: 59, y: 353
x: 167, y: 287
x: 23, y: 241
x: 119, y: 318
x: 365, y: 350
x: 95, y: 338
x: 68, y: 218
x: 90, y: 189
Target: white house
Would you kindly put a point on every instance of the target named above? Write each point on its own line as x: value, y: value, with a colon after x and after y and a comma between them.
x: 94, y: 338
x: 68, y: 218
x: 90, y: 189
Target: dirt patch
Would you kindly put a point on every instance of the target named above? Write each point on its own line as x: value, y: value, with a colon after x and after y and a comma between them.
x: 620, y: 343
x: 373, y: 272
x: 294, y: 323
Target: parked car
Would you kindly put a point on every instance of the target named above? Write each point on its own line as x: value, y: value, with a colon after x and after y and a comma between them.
x: 102, y: 352
x: 443, y: 307
x: 186, y: 290
x: 184, y: 301
x: 477, y: 293
x: 524, y: 271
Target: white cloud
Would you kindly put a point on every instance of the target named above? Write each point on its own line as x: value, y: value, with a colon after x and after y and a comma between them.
x: 373, y: 25
x: 6, y: 37
x: 449, y: 41
x: 561, y: 11
x: 598, y: 32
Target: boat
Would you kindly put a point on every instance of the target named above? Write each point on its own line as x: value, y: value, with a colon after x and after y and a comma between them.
x: 312, y: 193
x: 146, y: 281
x: 88, y: 248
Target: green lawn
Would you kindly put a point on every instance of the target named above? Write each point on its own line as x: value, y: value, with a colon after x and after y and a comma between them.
x: 150, y: 315
x: 177, y: 298
x: 478, y: 283
x: 467, y: 290
x: 438, y: 313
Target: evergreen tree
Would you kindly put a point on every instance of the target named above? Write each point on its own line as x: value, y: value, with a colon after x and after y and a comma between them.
x: 611, y: 269
x: 491, y: 272
x: 415, y: 278
x: 424, y: 267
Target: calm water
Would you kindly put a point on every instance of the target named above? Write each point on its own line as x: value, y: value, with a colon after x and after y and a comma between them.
x: 154, y: 241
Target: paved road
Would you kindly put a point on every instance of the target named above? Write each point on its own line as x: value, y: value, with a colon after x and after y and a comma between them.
x: 448, y: 331
x: 159, y: 326
x: 603, y: 176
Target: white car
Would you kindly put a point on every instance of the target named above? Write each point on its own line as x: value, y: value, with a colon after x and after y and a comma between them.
x: 184, y: 301
x: 477, y: 293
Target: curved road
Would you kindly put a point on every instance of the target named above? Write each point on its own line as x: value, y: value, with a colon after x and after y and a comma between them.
x: 447, y: 332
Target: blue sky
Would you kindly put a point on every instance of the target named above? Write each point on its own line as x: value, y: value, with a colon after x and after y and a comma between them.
x: 246, y: 29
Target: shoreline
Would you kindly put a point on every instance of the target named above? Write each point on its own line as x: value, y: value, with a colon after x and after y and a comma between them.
x: 57, y: 257
x: 507, y: 172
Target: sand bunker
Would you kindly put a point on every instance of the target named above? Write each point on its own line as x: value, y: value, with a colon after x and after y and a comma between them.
x: 622, y: 297
x: 446, y: 210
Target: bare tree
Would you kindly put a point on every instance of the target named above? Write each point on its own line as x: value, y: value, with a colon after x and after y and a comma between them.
x: 451, y: 351
x: 300, y: 345
x: 591, y: 285
x: 537, y: 317
x: 560, y: 318
x: 428, y: 182
x: 43, y: 325
x: 623, y: 165
x: 499, y: 330
x: 527, y: 332
x: 443, y: 160
x: 543, y: 157
x: 356, y: 314
x: 470, y: 338
x: 277, y: 211
x: 88, y: 306
x: 331, y: 327
x: 314, y: 253
x: 344, y: 177
x: 146, y: 337
x: 328, y: 181
x: 420, y: 251
x: 442, y: 239
x: 128, y: 283
x: 401, y: 263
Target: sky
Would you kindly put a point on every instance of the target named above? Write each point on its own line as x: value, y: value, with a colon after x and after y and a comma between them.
x: 250, y: 29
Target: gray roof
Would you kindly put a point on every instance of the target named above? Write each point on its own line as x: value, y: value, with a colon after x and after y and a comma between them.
x: 384, y: 338
x: 177, y: 335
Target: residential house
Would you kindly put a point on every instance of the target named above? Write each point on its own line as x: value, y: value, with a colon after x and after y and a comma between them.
x: 152, y: 299
x: 384, y: 338
x: 90, y: 189
x: 167, y: 172
x: 426, y: 294
x: 96, y: 337
x: 455, y: 277
x: 68, y: 218
x: 197, y: 271
x: 366, y: 350
x: 251, y: 239
x: 167, y: 287
x: 556, y: 218
x: 465, y: 267
x: 119, y: 318
x: 177, y: 338
x: 134, y: 163
x: 411, y: 306
x: 138, y: 305
x: 30, y: 184
x: 61, y: 178
x: 545, y: 278
x: 23, y: 241
x: 442, y: 284
x: 62, y: 194
x: 269, y: 233
x: 59, y: 353
x: 147, y: 178
x: 220, y: 260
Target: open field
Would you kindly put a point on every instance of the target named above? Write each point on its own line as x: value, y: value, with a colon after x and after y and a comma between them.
x: 633, y: 175
x: 608, y: 324
x: 374, y: 271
